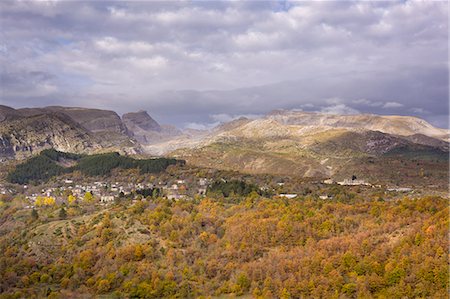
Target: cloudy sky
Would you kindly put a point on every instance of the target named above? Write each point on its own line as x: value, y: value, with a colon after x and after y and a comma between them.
x: 193, y: 63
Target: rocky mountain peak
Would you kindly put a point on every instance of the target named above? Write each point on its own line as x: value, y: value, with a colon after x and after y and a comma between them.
x: 140, y: 119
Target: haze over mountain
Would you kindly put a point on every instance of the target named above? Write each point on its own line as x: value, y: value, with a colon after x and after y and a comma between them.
x: 281, y: 142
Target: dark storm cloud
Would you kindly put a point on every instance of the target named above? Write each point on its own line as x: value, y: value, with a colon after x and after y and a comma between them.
x: 188, y: 62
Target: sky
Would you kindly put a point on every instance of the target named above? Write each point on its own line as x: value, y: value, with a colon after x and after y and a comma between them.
x: 194, y: 63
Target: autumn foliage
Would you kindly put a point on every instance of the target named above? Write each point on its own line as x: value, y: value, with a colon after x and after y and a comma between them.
x: 266, y: 248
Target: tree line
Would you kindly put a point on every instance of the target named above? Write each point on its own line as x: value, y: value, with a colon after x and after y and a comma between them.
x: 45, y: 166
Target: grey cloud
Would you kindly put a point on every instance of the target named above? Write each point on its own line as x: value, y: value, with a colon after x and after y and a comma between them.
x: 187, y: 61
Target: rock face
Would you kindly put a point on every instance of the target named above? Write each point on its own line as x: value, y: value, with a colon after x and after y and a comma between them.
x: 23, y: 137
x: 27, y: 131
x: 140, y: 120
x: 146, y: 130
x: 94, y: 120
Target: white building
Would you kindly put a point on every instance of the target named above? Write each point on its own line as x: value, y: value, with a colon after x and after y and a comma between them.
x: 175, y: 196
x: 203, y: 181
x: 290, y: 196
x: 328, y: 181
x: 348, y: 182
x: 107, y: 198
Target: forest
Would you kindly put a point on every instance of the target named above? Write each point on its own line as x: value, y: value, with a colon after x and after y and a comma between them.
x: 232, y: 188
x: 254, y: 246
x: 50, y: 163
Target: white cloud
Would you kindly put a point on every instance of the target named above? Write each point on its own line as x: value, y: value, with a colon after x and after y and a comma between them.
x: 368, y: 103
x: 113, y: 45
x: 339, y: 109
x: 334, y: 101
x: 200, y: 126
x: 389, y: 105
x: 235, y: 57
x: 307, y: 105
x: 218, y: 119
x: 419, y: 110
x: 223, y: 117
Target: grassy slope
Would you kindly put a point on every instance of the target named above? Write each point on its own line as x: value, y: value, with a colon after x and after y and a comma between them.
x: 338, y: 154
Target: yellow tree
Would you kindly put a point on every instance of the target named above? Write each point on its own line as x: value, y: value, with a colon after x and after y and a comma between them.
x: 49, y: 201
x: 71, y: 199
x: 39, y: 201
x: 88, y: 197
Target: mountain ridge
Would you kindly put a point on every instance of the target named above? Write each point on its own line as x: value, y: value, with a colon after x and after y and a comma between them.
x: 392, y: 124
x: 325, y: 146
x: 283, y: 141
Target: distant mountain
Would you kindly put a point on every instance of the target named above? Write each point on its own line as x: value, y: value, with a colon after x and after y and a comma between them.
x: 27, y: 131
x: 105, y: 129
x: 392, y: 124
x: 140, y: 120
x: 282, y: 142
x: 319, y: 145
x: 146, y: 130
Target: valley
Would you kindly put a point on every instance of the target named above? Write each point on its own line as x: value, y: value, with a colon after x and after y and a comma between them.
x: 289, y: 205
x: 219, y: 233
x: 224, y: 149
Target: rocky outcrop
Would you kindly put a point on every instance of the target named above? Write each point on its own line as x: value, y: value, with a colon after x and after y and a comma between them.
x: 21, y: 138
x: 146, y: 130
x: 24, y: 132
x: 140, y: 120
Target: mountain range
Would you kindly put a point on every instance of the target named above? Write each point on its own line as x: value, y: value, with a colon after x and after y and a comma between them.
x: 282, y: 142
x: 26, y: 131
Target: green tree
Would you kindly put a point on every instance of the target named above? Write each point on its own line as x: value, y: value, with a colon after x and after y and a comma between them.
x: 62, y: 213
x: 34, y: 214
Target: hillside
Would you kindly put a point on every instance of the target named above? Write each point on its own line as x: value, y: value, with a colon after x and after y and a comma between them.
x: 350, y: 247
x: 282, y: 142
x: 320, y: 146
x: 50, y: 163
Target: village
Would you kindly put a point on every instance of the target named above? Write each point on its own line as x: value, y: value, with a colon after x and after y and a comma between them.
x: 68, y: 190
x: 104, y: 192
